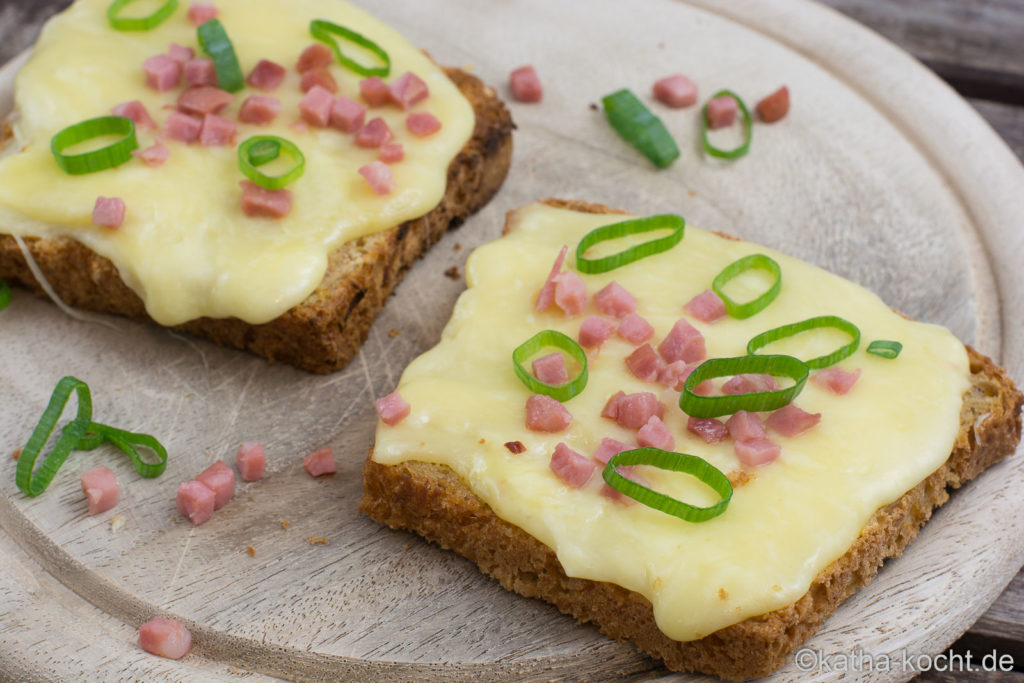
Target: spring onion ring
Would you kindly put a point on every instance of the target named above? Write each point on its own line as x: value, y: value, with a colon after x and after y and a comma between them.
x: 98, y: 159
x: 631, y: 227
x: 543, y: 339
x: 695, y: 405
x: 748, y: 125
x: 140, y: 23
x: 640, y: 128
x: 5, y: 294
x: 828, y: 359
x: 248, y: 161
x: 741, y: 311
x: 214, y: 41
x: 324, y: 31
x: 674, y: 462
x: 880, y: 347
x: 33, y: 484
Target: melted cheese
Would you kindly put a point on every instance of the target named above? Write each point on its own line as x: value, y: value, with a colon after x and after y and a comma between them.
x: 186, y: 247
x: 896, y: 426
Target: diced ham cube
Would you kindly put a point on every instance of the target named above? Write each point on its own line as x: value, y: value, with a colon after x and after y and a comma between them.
x: 200, y: 100
x: 259, y: 109
x: 422, y: 124
x: 315, y: 106
x: 608, y: 448
x: 546, y: 297
x: 318, y: 76
x: 220, y: 479
x: 162, y: 72
x: 154, y: 155
x: 180, y: 54
x: 525, y: 85
x: 379, y: 176
x: 684, y: 342
x: 676, y: 91
x: 655, y: 434
x: 376, y: 92
x: 200, y: 71
x: 632, y: 411
x: 259, y: 201
x: 836, y: 380
x: 635, y: 329
x: 408, y: 90
x: 266, y: 75
x: 347, y: 115
x: 391, y: 153
x: 708, y: 428
x: 721, y: 111
x: 314, y: 56
x: 744, y: 426
x: 320, y: 462
x: 706, y: 306
x: 251, y: 461
x: 136, y: 111
x: 165, y: 638
x: 749, y: 383
x: 611, y: 406
x: 545, y: 414
x: 551, y: 369
x: 108, y: 212
x: 570, y: 293
x: 216, y: 131
x: 615, y: 301
x: 392, y: 408
x: 571, y: 467
x: 201, y: 12
x: 100, y: 488
x: 774, y: 106
x: 645, y: 363
x: 594, y: 331
x: 756, y: 452
x: 182, y: 127
x: 374, y: 134
x: 789, y: 420
x: 195, y: 501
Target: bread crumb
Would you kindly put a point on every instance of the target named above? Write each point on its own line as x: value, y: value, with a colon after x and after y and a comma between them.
x: 692, y: 193
x: 116, y: 523
x: 209, y: 454
x: 452, y: 273
x: 16, y: 454
x: 515, y: 447
x: 187, y: 394
x: 723, y: 594
x: 739, y: 477
x: 457, y: 247
x: 394, y: 332
x: 284, y: 524
x: 405, y: 546
x: 317, y: 540
x: 482, y: 440
x: 776, y: 587
x: 251, y: 551
x: 593, y: 106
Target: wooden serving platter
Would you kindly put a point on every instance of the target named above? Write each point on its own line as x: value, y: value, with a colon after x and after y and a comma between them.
x: 880, y: 173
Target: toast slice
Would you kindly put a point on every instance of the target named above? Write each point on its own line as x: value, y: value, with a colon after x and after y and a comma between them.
x: 325, y: 331
x: 435, y: 502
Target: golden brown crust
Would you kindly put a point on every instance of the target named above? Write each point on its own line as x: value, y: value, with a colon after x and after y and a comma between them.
x: 434, y: 502
x: 325, y: 331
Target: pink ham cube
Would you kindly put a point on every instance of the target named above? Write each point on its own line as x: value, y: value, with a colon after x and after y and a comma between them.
x: 200, y: 100
x: 266, y: 75
x: 551, y: 369
x: 100, y: 488
x: 379, y: 176
x: 220, y: 479
x: 744, y: 426
x: 525, y: 85
x: 259, y: 110
x: 749, y: 383
x: 136, y: 111
x: 376, y: 92
x: 676, y: 91
x: 154, y: 155
x: 216, y: 131
x: 162, y: 72
x: 314, y: 56
x: 422, y: 124
x: 392, y: 408
x: 790, y: 420
x: 608, y: 448
x: 374, y: 134
x: 654, y: 434
x: 200, y: 71
x: 251, y: 461
x: 632, y: 411
x: 391, y: 153
x: 315, y: 106
x: 615, y: 301
x: 165, y: 638
x: 756, y: 452
x: 182, y: 127
x: 320, y: 462
x: 545, y: 414
x: 645, y: 363
x: 636, y: 330
x: 684, y: 342
x: 571, y: 467
x: 674, y: 374
x: 721, y: 111
x: 180, y: 54
x: 706, y: 306
x: 836, y: 380
x: 108, y: 212
x: 594, y: 331
x: 259, y: 201
x: 570, y: 293
x: 319, y: 76
x: 195, y: 501
x: 409, y: 90
x: 708, y: 429
x: 347, y: 115
x: 201, y: 12
x: 611, y: 406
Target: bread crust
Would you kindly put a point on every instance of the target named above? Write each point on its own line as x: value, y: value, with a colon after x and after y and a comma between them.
x: 434, y: 501
x: 325, y: 331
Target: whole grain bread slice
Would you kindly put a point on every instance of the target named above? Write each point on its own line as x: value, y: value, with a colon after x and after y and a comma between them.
x: 434, y: 502
x: 325, y: 331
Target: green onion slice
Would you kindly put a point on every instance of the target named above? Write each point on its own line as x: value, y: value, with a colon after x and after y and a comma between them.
x: 214, y: 41
x: 138, y: 23
x: 544, y: 339
x: 252, y: 153
x: 745, y: 310
x: 97, y: 434
x: 674, y: 462
x: 34, y: 484
x: 5, y: 294
x: 880, y: 347
x: 324, y: 31
x: 640, y: 128
x: 98, y: 159
x: 631, y: 227
x: 748, y: 125
x: 828, y: 359
x: 714, y: 406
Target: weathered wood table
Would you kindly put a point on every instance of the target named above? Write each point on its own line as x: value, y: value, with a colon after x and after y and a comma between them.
x: 976, y: 45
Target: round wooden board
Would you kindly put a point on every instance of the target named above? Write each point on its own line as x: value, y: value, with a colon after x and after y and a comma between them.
x: 880, y: 173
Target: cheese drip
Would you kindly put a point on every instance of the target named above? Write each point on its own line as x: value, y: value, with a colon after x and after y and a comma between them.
x: 186, y: 248
x: 895, y: 427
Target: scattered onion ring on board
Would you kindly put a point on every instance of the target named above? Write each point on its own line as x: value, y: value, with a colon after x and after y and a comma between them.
x: 748, y: 125
x: 138, y: 23
x: 324, y: 31
x: 880, y: 347
x: 696, y: 405
x: 633, y: 226
x: 820, y: 321
x: 214, y: 41
x: 126, y: 442
x: 741, y: 311
x: 33, y: 484
x: 101, y: 159
x: 248, y: 161
x: 640, y: 128
x: 675, y: 462
x: 543, y: 339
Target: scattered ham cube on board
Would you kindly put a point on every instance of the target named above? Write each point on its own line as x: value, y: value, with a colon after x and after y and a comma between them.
x: 165, y: 637
x: 251, y: 461
x: 100, y: 488
x: 320, y: 462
